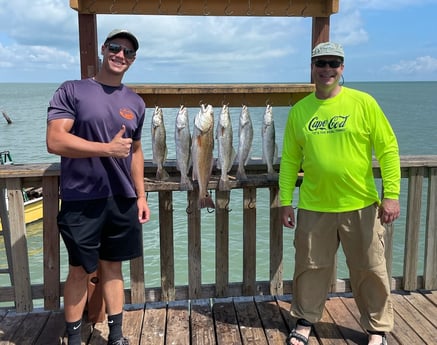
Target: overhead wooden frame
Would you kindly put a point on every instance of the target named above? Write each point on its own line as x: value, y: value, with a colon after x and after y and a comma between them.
x: 171, y: 95
x: 291, y: 8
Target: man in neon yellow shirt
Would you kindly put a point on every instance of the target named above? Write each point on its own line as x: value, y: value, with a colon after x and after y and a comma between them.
x: 331, y: 135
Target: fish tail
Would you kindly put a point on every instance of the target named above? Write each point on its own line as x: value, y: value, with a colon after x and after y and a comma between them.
x: 185, y: 183
x: 224, y: 185
x: 206, y: 202
x: 162, y: 174
x: 241, y: 173
x: 272, y: 175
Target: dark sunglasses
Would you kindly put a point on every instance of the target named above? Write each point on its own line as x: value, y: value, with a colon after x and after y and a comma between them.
x: 116, y: 48
x: 331, y: 63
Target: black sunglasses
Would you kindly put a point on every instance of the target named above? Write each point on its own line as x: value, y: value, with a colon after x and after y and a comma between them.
x: 116, y: 48
x: 331, y: 63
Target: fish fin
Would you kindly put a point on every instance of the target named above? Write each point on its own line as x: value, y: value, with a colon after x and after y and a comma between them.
x: 275, y: 156
x: 233, y: 156
x: 247, y: 158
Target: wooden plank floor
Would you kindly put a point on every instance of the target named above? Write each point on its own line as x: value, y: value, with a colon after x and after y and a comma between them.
x: 260, y: 320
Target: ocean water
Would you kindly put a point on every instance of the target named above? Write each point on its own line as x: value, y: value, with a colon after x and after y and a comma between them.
x: 410, y: 107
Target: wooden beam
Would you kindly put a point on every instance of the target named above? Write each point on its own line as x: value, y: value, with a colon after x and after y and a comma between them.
x: 291, y: 8
x: 235, y: 95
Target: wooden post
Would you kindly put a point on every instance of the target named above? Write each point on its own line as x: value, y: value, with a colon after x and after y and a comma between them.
x: 20, y: 258
x: 249, y: 241
x: 89, y: 59
x: 430, y: 271
x: 276, y: 244
x: 52, y: 270
x: 167, y: 247
x: 320, y: 32
x: 415, y: 183
x: 194, y: 245
x: 222, y: 243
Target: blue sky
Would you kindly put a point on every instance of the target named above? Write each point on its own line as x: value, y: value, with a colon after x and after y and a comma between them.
x: 390, y: 40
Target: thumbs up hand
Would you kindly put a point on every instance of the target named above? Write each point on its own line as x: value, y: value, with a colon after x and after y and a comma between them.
x: 119, y: 146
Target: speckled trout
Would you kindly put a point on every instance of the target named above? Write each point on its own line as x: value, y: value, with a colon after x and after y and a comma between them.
x: 270, y: 149
x: 182, y: 136
x: 244, y: 142
x: 225, y: 149
x: 159, y: 145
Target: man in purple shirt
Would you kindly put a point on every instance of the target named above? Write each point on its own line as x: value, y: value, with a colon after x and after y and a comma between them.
x: 95, y: 126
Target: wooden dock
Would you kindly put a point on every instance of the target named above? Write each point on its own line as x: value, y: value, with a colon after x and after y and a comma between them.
x: 260, y: 320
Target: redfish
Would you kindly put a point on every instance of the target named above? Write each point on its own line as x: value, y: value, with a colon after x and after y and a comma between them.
x: 202, y: 153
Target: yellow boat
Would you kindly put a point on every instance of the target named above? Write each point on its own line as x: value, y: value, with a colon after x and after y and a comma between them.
x: 33, y: 209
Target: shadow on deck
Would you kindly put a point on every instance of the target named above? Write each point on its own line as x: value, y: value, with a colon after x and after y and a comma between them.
x: 260, y: 320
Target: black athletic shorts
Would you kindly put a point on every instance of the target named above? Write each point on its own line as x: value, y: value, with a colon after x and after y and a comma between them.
x: 106, y: 229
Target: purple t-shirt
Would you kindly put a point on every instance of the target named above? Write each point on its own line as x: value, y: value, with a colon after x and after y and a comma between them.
x: 98, y: 111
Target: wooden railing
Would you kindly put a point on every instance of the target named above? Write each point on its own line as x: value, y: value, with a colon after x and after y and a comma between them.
x: 417, y: 172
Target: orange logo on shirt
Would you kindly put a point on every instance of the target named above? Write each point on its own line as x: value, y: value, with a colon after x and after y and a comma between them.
x: 126, y: 113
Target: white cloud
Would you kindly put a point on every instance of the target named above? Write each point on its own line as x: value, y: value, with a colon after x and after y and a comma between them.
x: 43, y: 34
x: 392, y: 5
x: 210, y: 48
x: 422, y: 64
x: 349, y: 29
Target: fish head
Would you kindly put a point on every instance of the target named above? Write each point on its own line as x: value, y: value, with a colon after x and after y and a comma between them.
x: 244, y: 115
x: 182, y: 117
x: 268, y: 115
x: 158, y: 117
x: 225, y: 118
x: 204, y: 120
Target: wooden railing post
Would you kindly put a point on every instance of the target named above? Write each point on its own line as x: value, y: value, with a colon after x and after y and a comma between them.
x: 249, y: 241
x: 222, y: 243
x: 20, y: 257
x: 137, y: 282
x: 194, y: 246
x: 6, y: 229
x: 276, y: 244
x: 51, y: 242
x: 430, y: 267
x: 415, y: 183
x: 166, y: 245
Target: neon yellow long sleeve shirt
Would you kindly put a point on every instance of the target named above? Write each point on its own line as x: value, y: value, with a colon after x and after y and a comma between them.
x: 333, y: 142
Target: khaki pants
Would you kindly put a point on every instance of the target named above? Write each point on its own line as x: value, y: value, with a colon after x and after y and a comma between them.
x: 316, y: 241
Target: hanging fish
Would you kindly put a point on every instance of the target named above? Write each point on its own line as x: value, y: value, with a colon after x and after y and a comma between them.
x: 270, y: 148
x: 182, y: 137
x: 245, y: 142
x: 159, y: 145
x: 202, y: 153
x: 226, y: 151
